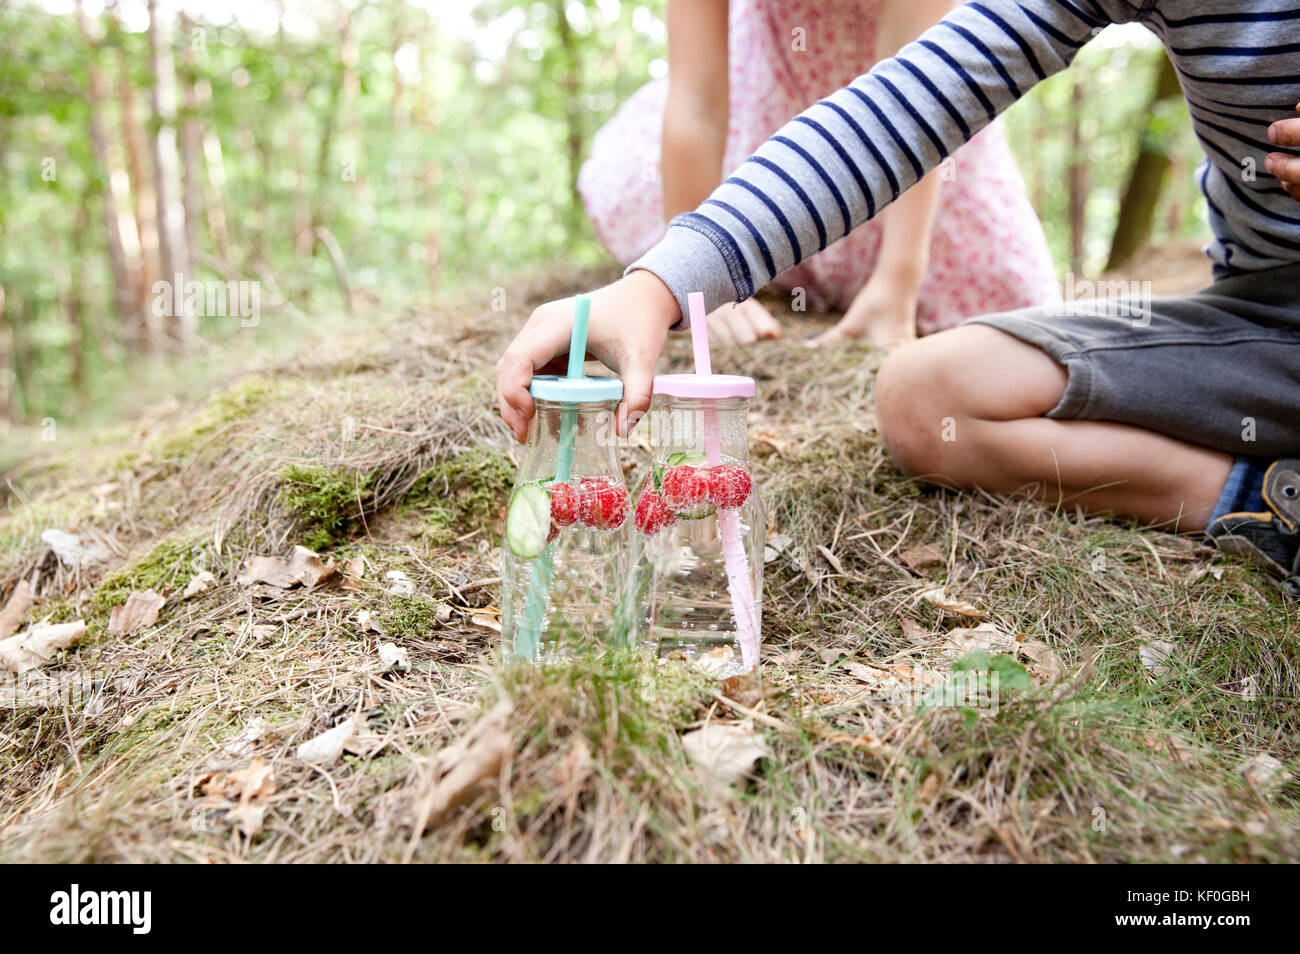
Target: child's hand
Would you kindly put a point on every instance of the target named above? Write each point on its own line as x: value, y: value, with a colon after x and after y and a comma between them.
x: 1285, y: 132
x: 629, y: 321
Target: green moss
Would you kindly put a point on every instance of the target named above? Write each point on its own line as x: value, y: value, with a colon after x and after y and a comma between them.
x: 325, y: 501
x: 462, y: 492
x: 409, y: 616
x: 170, y: 563
x: 242, y: 400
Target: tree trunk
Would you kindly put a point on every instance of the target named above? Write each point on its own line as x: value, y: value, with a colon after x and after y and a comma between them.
x: 214, y: 190
x: 191, y: 144
x: 572, y: 85
x: 1077, y: 177
x: 1137, y: 206
x: 145, y: 265
x: 76, y: 298
x: 123, y: 287
x: 172, y: 253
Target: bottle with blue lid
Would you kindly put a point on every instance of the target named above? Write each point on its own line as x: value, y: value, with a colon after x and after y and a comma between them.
x: 567, y: 555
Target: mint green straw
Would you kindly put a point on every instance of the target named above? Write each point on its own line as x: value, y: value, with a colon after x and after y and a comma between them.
x: 539, y: 585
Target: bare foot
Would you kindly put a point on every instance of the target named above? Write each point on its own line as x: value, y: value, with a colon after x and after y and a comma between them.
x: 878, y: 336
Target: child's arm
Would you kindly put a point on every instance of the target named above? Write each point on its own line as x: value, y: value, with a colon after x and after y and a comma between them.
x: 697, y: 107
x: 832, y: 167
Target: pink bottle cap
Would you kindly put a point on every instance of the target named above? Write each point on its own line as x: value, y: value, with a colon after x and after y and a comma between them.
x: 706, y: 386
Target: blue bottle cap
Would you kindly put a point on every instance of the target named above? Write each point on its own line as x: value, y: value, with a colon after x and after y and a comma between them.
x: 566, y: 390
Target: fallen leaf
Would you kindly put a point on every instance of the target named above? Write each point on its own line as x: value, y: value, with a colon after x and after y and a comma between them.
x: 1264, y: 774
x: 1044, y: 664
x: 1155, y: 656
x: 250, y: 787
x: 304, y: 568
x: 914, y: 631
x: 776, y: 544
x: 71, y: 551
x: 140, y: 611
x: 715, y: 663
x: 394, y: 657
x: 486, y: 622
x: 459, y: 769
x: 37, y: 645
x: 241, y: 746
x: 923, y: 556
x: 986, y: 636
x: 353, y: 571
x: 257, y: 780
x: 366, y: 622
x: 831, y: 558
x: 725, y: 753
x: 200, y: 583
x: 328, y: 746
x: 938, y: 597
x: 20, y: 601
x: 399, y: 584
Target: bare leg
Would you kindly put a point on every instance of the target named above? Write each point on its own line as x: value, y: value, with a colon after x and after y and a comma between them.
x: 965, y: 408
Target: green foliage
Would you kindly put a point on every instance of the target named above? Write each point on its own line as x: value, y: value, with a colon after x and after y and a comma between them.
x: 465, y: 491
x: 169, y: 564
x: 413, y: 616
x: 326, y: 501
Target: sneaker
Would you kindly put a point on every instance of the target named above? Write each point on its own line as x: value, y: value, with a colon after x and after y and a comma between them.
x: 1270, y: 538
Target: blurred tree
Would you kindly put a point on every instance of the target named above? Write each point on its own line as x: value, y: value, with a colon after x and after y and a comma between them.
x: 1146, y: 180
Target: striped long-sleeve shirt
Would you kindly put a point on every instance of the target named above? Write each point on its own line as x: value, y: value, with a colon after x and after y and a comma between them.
x: 845, y: 158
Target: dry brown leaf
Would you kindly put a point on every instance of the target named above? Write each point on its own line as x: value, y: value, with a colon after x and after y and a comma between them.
x: 1264, y: 774
x: 328, y: 746
x: 461, y: 767
x: 923, y: 556
x: 938, y: 596
x: 140, y: 611
x: 486, y: 622
x: 303, y: 568
x: 986, y: 636
x: 725, y: 753
x: 394, y: 656
x: 1044, y: 664
x: 353, y: 572
x: 914, y: 631
x: 199, y: 583
x: 37, y: 645
x: 257, y: 780
x: 1155, y: 656
x: 20, y: 601
x: 831, y: 558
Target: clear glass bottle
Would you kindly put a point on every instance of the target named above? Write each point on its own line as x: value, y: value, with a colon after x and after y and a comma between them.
x: 701, y: 524
x: 567, y: 555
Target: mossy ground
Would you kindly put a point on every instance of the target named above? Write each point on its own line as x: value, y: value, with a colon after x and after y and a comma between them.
x: 392, y: 454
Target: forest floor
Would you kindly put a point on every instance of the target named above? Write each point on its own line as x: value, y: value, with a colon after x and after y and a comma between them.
x: 1148, y: 713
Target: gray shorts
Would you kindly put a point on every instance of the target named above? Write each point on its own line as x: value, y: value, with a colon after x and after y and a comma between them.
x: 1220, y: 367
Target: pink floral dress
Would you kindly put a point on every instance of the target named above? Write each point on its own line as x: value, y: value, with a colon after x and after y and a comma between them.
x: 987, y: 253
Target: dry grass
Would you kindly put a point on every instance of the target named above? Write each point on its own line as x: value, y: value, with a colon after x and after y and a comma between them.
x: 385, y: 447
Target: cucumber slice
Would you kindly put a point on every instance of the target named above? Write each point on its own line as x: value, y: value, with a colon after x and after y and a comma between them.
x: 528, y: 521
x: 694, y: 457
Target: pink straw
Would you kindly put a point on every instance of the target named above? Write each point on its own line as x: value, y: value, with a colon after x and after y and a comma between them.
x: 739, y: 579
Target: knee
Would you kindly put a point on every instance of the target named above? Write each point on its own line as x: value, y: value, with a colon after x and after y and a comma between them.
x: 914, y: 404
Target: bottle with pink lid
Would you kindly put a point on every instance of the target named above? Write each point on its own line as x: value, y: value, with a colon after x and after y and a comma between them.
x: 701, y: 524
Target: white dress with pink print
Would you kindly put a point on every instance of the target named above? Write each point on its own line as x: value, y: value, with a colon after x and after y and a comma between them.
x: 987, y: 252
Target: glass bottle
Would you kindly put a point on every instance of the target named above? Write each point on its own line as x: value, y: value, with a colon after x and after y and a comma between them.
x: 701, y: 524
x: 566, y: 559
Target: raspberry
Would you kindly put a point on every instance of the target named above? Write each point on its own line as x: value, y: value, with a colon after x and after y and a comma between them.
x: 729, y: 486
x: 684, y: 487
x: 601, y: 503
x: 564, y: 504
x: 652, y: 514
